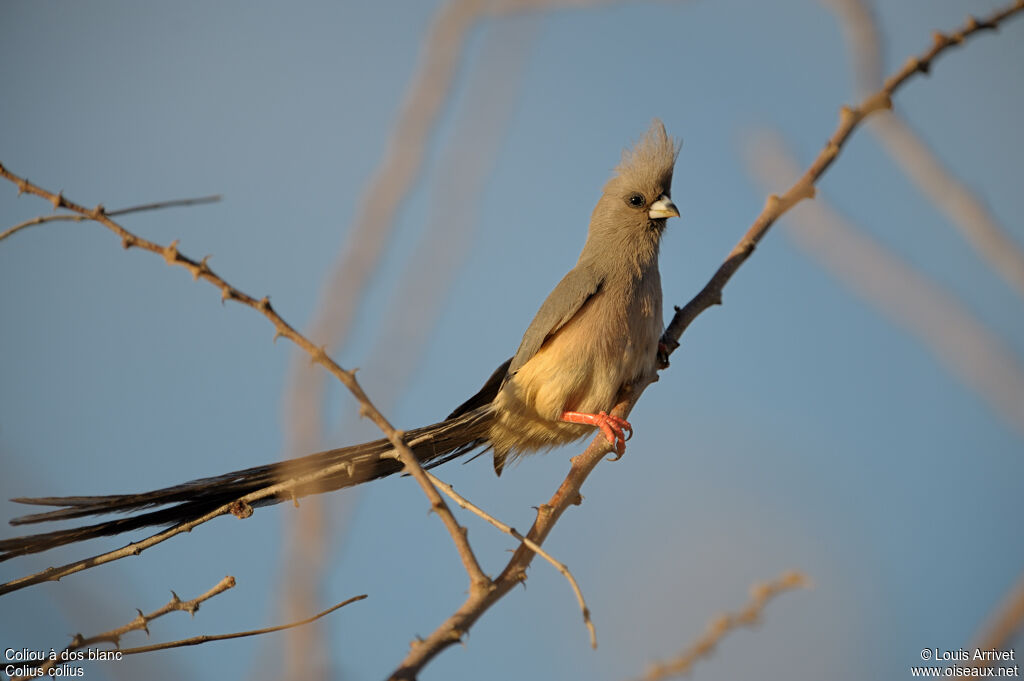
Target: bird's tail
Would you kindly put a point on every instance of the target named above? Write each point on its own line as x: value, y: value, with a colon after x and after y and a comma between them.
x: 432, y: 445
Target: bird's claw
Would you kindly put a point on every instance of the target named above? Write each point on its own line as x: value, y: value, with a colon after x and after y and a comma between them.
x: 613, y: 428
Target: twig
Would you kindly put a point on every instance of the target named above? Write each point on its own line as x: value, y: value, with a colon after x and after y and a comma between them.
x: 919, y: 163
x: 196, y: 640
x: 529, y: 543
x: 760, y: 594
x: 67, y: 217
x: 140, y: 623
x: 568, y: 493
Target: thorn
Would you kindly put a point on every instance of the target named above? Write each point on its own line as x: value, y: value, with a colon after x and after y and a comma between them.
x: 22, y: 187
x: 772, y: 203
x: 127, y: 242
x: 938, y: 39
x: 58, y: 200
x: 849, y: 115
x: 171, y: 252
x: 264, y: 304
x: 142, y: 619
x: 174, y: 598
x: 200, y: 268
x: 99, y: 211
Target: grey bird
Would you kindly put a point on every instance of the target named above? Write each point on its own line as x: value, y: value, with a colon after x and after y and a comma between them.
x: 597, y: 332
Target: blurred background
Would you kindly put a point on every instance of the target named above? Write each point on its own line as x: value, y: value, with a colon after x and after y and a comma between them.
x: 407, y: 181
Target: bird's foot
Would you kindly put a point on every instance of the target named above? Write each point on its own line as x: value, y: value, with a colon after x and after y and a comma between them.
x: 613, y: 427
x: 663, y: 353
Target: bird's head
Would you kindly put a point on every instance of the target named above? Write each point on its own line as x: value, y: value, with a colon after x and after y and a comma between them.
x: 636, y: 202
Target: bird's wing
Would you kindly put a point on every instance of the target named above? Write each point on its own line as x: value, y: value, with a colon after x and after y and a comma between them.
x: 561, y: 305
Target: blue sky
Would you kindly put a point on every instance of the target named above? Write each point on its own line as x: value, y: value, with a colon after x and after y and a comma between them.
x: 797, y: 428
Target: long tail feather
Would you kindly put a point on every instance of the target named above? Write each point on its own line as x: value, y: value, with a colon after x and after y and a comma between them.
x: 432, y: 445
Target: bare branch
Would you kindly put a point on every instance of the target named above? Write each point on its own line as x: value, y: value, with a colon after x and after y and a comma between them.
x: 962, y: 206
x: 201, y: 270
x: 912, y: 301
x: 529, y: 543
x: 760, y: 595
x: 196, y: 640
x: 804, y: 188
x: 140, y: 623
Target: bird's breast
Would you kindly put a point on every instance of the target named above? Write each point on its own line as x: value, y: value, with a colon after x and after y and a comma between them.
x: 612, y: 340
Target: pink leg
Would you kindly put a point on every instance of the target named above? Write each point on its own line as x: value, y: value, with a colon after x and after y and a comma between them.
x: 613, y: 428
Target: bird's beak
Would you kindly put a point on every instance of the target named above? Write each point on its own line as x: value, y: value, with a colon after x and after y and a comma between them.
x: 663, y: 208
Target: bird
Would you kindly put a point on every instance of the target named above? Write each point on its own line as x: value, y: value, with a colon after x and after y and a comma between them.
x: 598, y: 332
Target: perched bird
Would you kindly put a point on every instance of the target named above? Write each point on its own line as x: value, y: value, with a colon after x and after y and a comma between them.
x: 597, y: 332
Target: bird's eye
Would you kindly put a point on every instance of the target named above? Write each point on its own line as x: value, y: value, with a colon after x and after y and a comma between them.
x: 635, y: 200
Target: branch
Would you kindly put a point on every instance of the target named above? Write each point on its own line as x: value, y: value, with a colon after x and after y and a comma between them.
x: 968, y: 213
x: 529, y: 543
x: 568, y: 493
x: 760, y: 594
x: 514, y: 573
x: 196, y: 640
x: 804, y: 188
x: 910, y: 300
x: 42, y: 219
x: 140, y: 623
x: 201, y: 270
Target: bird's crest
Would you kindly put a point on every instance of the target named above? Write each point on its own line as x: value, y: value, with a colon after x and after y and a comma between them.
x: 651, y: 160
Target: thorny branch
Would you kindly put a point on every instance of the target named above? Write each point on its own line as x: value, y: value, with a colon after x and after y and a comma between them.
x: 140, y: 623
x: 197, y: 640
x: 849, y: 120
x: 966, y: 211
